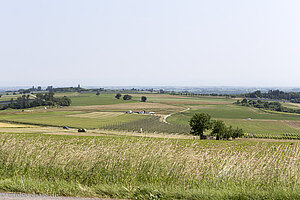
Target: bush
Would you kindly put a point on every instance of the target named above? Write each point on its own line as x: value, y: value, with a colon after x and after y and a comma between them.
x: 127, y: 97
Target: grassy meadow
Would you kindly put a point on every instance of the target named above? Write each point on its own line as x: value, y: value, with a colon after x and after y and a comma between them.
x: 149, y: 168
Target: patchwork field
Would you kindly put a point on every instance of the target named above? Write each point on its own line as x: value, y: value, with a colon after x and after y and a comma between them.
x: 139, y: 156
x: 71, y: 119
x: 156, y: 107
x: 105, y: 111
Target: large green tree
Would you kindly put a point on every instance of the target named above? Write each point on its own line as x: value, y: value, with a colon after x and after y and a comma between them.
x: 118, y: 96
x: 199, y: 123
x: 219, y: 129
x: 127, y: 97
x: 143, y: 99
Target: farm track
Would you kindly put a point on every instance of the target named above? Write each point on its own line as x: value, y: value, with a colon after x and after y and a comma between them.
x: 166, y: 116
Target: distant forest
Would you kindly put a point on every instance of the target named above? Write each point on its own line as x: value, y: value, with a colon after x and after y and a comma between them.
x: 274, y: 105
x: 46, y: 99
x: 293, y: 97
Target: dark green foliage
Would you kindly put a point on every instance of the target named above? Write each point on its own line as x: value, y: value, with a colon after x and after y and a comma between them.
x: 199, y: 123
x: 268, y: 105
x: 118, y: 96
x: 46, y: 99
x: 276, y: 94
x: 221, y: 131
x: 127, y: 97
x: 64, y: 101
x: 98, y: 93
x: 143, y: 99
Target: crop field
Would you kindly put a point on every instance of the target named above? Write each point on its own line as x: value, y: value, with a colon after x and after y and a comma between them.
x: 149, y: 168
x: 151, y: 124
x: 71, y: 119
x: 98, y: 115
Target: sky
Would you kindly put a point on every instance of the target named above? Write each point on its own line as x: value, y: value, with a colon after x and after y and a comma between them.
x: 150, y: 43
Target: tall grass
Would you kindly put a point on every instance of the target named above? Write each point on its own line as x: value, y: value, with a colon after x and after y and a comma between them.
x: 148, y: 168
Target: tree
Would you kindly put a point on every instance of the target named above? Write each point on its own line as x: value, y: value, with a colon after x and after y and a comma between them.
x: 143, y: 99
x: 238, y: 132
x: 127, y: 97
x: 219, y: 129
x: 244, y: 101
x: 98, y: 93
x: 118, y: 96
x: 199, y: 123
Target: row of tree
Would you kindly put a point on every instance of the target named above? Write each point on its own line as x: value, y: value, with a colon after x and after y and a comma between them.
x: 200, y: 122
x: 267, y: 105
x: 46, y: 99
x: 276, y: 94
x: 128, y: 97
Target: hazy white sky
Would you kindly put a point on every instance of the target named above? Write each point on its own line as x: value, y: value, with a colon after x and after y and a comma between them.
x: 157, y: 42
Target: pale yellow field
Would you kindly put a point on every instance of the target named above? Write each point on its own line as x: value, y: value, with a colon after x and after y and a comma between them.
x: 98, y: 115
x: 7, y: 125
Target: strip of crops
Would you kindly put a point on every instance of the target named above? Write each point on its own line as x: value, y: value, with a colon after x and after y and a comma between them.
x: 150, y: 124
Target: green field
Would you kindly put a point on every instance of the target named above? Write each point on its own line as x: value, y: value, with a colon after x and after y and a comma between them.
x: 92, y: 99
x: 237, y: 116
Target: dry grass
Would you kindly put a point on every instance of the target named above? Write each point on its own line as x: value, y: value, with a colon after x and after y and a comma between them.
x: 8, y: 125
x: 293, y: 124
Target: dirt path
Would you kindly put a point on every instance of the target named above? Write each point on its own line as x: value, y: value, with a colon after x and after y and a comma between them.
x: 165, y: 117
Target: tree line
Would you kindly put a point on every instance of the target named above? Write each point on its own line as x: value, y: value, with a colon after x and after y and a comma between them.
x: 129, y: 97
x: 46, y: 99
x: 201, y: 122
x: 267, y: 105
x: 275, y: 94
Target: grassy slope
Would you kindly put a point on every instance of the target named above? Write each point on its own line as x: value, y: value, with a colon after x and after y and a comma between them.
x: 262, y: 122
x: 148, y: 168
